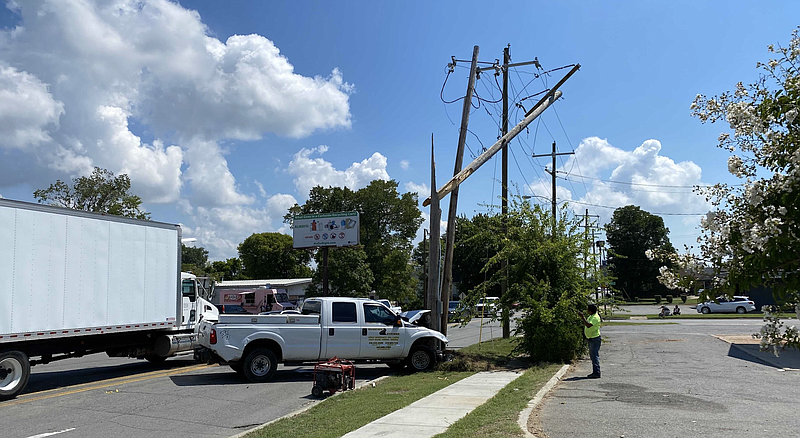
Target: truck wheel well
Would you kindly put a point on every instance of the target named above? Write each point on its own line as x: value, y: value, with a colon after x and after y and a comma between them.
x: 264, y: 343
x: 429, y: 342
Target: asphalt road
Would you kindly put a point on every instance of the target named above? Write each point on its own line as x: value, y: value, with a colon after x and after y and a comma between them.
x: 674, y: 380
x: 98, y: 397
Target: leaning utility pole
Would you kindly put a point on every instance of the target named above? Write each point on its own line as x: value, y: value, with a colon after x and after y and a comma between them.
x: 433, y: 254
x: 447, y: 282
x: 552, y: 173
x: 504, y: 201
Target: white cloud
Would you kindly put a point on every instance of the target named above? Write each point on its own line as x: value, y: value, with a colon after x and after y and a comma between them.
x: 640, y: 177
x: 27, y: 109
x: 405, y: 164
x: 221, y: 229
x: 91, y: 78
x: 421, y: 189
x: 260, y: 188
x: 311, y: 172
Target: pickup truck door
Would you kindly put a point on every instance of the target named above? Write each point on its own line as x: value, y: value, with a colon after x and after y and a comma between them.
x: 380, y: 337
x: 342, y: 336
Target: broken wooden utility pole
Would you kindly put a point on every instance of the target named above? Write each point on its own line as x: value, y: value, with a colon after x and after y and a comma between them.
x: 432, y: 297
x: 550, y: 97
x: 447, y: 281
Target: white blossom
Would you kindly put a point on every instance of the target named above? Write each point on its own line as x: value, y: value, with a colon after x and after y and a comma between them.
x: 735, y: 166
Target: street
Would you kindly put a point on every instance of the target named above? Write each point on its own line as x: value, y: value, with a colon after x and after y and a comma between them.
x: 97, y: 396
x: 670, y: 380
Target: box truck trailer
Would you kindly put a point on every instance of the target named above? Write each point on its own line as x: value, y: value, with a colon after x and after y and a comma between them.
x: 74, y: 283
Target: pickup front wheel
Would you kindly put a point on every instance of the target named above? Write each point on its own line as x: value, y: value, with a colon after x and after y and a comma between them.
x: 260, y: 365
x: 421, y: 358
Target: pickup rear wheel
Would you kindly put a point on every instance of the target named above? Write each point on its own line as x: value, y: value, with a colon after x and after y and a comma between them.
x: 260, y: 365
x: 15, y: 370
x: 421, y: 358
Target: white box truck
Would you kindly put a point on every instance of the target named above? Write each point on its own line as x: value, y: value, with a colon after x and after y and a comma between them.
x: 75, y: 283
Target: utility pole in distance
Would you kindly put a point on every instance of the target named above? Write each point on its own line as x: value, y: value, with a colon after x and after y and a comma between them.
x: 447, y: 282
x: 586, y: 237
x: 552, y: 173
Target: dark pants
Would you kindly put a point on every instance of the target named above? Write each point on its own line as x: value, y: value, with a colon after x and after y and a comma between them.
x: 594, y: 354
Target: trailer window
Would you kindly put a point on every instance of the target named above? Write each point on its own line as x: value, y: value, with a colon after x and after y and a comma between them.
x: 344, y: 312
x: 311, y: 307
x: 250, y: 299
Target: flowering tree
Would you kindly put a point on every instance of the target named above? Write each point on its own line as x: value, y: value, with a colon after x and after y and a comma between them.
x: 752, y: 233
x: 687, y: 269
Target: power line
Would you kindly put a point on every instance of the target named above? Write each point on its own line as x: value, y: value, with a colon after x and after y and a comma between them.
x: 614, y: 208
x: 641, y: 184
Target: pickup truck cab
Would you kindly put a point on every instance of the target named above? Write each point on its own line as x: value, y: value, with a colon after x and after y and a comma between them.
x: 350, y: 328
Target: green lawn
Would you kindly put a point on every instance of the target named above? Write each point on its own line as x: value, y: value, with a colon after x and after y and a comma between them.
x: 497, y: 418
x: 350, y: 410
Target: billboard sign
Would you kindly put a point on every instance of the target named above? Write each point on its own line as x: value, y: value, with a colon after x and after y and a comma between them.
x: 326, y: 229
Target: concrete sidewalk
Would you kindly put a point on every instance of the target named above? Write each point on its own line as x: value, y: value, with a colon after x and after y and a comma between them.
x: 435, y: 413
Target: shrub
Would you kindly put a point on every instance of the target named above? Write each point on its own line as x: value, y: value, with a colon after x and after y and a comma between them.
x: 553, y: 334
x: 635, y: 299
x: 683, y: 298
x: 658, y: 299
x: 669, y: 299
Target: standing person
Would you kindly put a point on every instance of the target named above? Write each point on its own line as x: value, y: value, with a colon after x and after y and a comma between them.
x: 591, y: 329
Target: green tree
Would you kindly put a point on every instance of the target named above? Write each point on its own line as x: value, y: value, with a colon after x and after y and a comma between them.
x: 477, y: 240
x: 271, y: 255
x: 752, y: 232
x: 197, y: 256
x: 349, y: 268
x: 389, y: 221
x: 230, y: 269
x: 101, y: 192
x: 545, y: 275
x: 630, y: 234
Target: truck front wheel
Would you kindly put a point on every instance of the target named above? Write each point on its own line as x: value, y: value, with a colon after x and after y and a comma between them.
x: 421, y: 358
x: 15, y: 370
x: 260, y: 365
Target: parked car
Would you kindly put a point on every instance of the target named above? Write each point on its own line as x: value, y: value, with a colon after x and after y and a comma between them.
x: 486, y: 306
x: 725, y: 304
x: 232, y: 309
x: 451, y: 310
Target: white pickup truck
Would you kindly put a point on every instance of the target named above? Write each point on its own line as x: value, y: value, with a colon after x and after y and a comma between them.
x: 350, y: 328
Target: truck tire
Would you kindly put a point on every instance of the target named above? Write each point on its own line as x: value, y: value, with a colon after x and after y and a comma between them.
x: 15, y: 370
x: 260, y: 365
x: 421, y: 358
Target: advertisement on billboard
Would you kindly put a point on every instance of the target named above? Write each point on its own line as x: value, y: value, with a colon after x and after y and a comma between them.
x: 326, y: 229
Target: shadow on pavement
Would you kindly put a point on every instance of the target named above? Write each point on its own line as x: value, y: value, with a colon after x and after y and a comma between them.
x: 574, y: 378
x: 787, y: 359
x: 44, y: 381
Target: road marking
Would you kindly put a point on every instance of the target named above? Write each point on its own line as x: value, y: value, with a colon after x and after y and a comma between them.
x: 69, y: 390
x: 42, y: 435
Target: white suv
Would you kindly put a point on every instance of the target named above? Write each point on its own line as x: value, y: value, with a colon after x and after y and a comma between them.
x: 725, y: 304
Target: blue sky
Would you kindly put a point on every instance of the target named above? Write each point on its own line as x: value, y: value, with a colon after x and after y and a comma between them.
x: 91, y: 69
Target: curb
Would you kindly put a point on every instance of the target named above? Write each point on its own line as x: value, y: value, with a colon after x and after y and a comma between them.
x: 307, y: 407
x: 525, y: 415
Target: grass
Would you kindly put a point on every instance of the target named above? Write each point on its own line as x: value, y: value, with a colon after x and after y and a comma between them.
x: 498, y: 416
x: 485, y: 356
x: 350, y: 410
